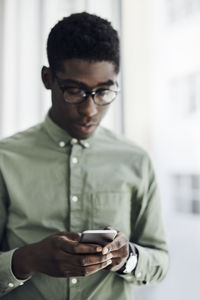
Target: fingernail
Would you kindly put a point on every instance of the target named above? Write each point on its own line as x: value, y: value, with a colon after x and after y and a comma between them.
x: 110, y: 255
x: 105, y: 250
x: 109, y: 261
x: 99, y: 249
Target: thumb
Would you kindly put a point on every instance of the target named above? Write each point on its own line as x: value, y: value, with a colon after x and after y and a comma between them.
x: 73, y: 236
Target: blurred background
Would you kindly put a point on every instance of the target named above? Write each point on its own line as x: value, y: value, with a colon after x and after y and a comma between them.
x: 158, y: 107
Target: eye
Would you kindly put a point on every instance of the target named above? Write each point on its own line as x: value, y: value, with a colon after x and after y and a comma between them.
x: 74, y: 91
x: 102, y: 92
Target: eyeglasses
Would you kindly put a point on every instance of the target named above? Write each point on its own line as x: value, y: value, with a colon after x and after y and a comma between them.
x: 76, y: 95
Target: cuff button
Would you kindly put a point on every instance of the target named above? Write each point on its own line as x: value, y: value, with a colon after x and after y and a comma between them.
x: 139, y: 274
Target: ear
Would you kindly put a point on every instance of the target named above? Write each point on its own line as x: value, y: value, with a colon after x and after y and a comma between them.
x: 47, y: 77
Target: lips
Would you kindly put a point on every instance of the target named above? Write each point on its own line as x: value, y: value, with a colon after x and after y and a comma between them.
x: 86, y: 128
x: 87, y: 124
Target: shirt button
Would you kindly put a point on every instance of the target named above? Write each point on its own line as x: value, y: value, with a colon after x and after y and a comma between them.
x: 11, y: 284
x: 74, y: 141
x: 74, y: 160
x: 62, y: 144
x: 87, y: 145
x: 74, y: 280
x: 74, y: 198
x: 139, y: 274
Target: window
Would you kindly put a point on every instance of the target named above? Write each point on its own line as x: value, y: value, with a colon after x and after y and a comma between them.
x: 186, y: 190
x: 185, y: 95
x: 179, y: 9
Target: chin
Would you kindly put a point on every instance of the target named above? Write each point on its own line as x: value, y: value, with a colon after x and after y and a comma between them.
x: 81, y: 136
x: 82, y: 132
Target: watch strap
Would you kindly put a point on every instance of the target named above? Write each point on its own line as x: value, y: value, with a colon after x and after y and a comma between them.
x: 131, y: 261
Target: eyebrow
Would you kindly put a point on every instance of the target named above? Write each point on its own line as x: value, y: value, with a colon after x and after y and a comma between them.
x: 81, y: 84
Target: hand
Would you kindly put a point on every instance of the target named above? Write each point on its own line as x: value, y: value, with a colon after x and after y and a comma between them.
x: 59, y: 255
x: 119, y: 248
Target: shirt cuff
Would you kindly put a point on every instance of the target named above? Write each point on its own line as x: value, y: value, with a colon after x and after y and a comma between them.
x: 137, y: 276
x: 8, y: 281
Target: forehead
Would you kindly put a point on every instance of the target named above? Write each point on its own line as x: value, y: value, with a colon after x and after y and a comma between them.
x: 90, y: 73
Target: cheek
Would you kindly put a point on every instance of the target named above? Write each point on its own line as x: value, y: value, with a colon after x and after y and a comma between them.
x: 64, y: 109
x: 57, y: 100
x: 102, y: 111
x: 71, y: 111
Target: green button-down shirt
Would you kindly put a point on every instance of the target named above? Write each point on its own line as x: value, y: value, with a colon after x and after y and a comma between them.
x: 50, y: 182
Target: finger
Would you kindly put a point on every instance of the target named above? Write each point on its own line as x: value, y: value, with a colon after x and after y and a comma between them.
x: 110, y: 228
x: 121, y: 253
x: 87, y: 260
x: 115, y: 262
x: 77, y: 271
x: 94, y: 268
x: 72, y: 236
x: 116, y: 244
x: 116, y: 265
x: 78, y: 248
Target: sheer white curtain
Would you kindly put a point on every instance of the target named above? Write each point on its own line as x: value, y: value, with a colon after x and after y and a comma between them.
x: 24, y: 27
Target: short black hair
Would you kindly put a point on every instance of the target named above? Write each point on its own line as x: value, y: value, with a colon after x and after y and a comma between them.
x: 83, y: 36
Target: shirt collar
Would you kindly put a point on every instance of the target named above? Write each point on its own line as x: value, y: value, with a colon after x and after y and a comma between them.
x: 61, y: 137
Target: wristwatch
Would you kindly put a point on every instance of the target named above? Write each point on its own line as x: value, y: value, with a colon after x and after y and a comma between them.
x: 131, y: 261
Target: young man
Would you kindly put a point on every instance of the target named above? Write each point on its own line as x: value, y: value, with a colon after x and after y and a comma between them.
x: 67, y: 175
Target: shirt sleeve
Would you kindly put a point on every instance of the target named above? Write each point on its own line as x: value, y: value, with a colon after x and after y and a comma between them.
x: 147, y: 230
x: 8, y: 281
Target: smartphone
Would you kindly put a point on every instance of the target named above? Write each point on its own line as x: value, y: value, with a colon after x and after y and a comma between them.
x: 101, y: 237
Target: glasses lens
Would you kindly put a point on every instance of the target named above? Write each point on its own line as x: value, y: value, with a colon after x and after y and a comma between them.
x: 105, y: 96
x: 74, y: 95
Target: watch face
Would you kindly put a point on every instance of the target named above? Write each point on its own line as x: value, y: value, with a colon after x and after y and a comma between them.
x: 131, y: 264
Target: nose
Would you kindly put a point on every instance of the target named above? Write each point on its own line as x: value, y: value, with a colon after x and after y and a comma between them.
x: 88, y: 107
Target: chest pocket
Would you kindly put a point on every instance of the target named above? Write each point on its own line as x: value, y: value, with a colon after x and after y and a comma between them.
x: 112, y: 209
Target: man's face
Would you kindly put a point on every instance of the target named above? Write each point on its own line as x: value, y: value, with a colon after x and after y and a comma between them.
x: 81, y: 120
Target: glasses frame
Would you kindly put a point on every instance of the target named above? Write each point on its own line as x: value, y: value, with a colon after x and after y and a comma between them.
x: 87, y: 93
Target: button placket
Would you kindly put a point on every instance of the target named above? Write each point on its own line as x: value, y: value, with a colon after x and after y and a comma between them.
x: 73, y: 141
x: 75, y: 291
x: 85, y: 144
x: 74, y: 160
x: 74, y: 152
x: 75, y: 186
x: 74, y: 198
x: 74, y: 280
